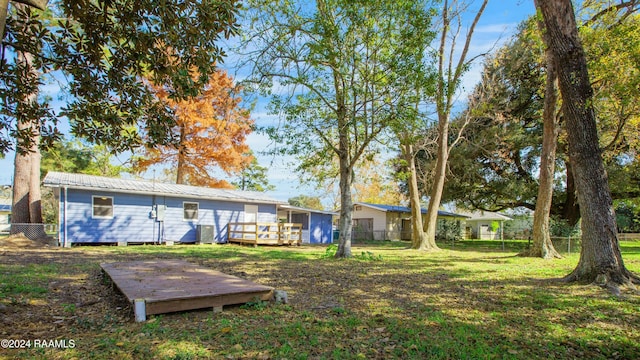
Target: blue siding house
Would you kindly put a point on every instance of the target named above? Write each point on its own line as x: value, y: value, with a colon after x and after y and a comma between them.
x: 317, y: 225
x: 95, y: 209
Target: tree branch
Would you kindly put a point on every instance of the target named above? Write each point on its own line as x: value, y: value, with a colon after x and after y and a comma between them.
x: 38, y: 4
x: 616, y: 137
x: 630, y: 5
x: 461, y: 64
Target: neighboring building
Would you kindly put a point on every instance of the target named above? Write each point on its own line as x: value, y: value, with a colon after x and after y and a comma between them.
x: 389, y: 222
x: 94, y: 209
x: 317, y: 225
x: 5, y: 216
x: 520, y: 227
x: 484, y: 225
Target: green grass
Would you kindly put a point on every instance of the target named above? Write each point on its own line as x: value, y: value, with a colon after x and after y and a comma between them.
x: 472, y: 300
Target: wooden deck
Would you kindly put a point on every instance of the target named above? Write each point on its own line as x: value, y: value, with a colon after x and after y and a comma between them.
x: 265, y: 233
x: 163, y: 286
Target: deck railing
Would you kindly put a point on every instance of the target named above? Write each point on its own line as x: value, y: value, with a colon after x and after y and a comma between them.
x: 265, y: 233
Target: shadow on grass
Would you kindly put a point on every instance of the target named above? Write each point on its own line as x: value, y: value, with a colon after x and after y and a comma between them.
x: 472, y: 303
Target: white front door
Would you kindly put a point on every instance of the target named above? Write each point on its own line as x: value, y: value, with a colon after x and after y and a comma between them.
x: 251, y: 213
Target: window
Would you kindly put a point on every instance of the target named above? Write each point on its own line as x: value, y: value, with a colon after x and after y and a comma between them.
x: 102, y: 207
x: 190, y: 211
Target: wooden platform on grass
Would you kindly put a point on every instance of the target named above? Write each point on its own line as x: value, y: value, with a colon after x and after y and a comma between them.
x: 163, y: 286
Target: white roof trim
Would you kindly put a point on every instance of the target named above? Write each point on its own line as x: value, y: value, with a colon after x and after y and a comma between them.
x: 485, y: 215
x: 300, y: 209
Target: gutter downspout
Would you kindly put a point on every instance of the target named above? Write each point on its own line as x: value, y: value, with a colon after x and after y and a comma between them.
x: 308, y: 229
x: 65, y: 242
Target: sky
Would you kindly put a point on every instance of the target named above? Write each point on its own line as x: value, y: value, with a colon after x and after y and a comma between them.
x: 497, y: 24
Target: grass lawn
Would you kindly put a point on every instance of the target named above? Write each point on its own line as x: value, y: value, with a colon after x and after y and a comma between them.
x: 472, y: 300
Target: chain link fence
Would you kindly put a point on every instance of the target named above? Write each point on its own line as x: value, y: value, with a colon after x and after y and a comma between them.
x: 379, y: 235
x: 567, y: 245
x: 34, y: 231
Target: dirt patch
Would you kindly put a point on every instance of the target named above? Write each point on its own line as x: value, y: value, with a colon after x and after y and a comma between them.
x: 20, y: 241
x: 69, y: 290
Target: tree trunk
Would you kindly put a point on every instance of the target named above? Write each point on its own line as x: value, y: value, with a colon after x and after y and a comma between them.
x: 4, y: 5
x: 542, y: 245
x: 36, y: 231
x: 571, y: 208
x: 35, y: 195
x: 180, y: 172
x: 439, y: 177
x: 600, y: 257
x: 346, y: 207
x: 26, y: 145
x: 418, y: 237
x: 346, y: 170
x: 20, y: 213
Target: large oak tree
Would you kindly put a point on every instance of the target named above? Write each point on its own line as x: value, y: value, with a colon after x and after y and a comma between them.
x: 600, y: 258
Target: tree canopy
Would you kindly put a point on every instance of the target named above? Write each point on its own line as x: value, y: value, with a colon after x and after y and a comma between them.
x: 329, y: 70
x: 306, y: 201
x: 496, y: 165
x: 103, y: 50
x: 73, y: 156
x: 212, y: 129
x: 253, y: 178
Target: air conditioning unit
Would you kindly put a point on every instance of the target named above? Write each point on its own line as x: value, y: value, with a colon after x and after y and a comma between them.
x: 205, y: 234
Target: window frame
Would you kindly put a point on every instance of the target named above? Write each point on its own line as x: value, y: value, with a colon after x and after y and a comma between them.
x: 184, y: 211
x: 93, y: 207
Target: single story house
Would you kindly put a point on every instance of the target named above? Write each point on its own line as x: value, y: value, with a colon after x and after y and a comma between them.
x: 389, y: 222
x: 96, y: 209
x: 484, y: 225
x: 5, y: 216
x: 317, y: 225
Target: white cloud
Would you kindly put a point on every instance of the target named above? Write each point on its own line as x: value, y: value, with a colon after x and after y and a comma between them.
x: 496, y: 29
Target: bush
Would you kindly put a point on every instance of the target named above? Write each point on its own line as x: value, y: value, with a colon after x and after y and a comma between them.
x: 560, y: 228
x: 449, y: 230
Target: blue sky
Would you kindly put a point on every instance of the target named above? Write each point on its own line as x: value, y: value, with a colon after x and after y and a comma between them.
x: 497, y: 24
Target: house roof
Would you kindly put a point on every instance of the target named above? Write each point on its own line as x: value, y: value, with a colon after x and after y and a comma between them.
x: 131, y: 186
x: 485, y: 215
x: 300, y: 209
x: 405, y: 209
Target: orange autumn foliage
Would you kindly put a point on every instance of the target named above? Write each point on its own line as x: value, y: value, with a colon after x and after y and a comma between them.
x: 212, y: 128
